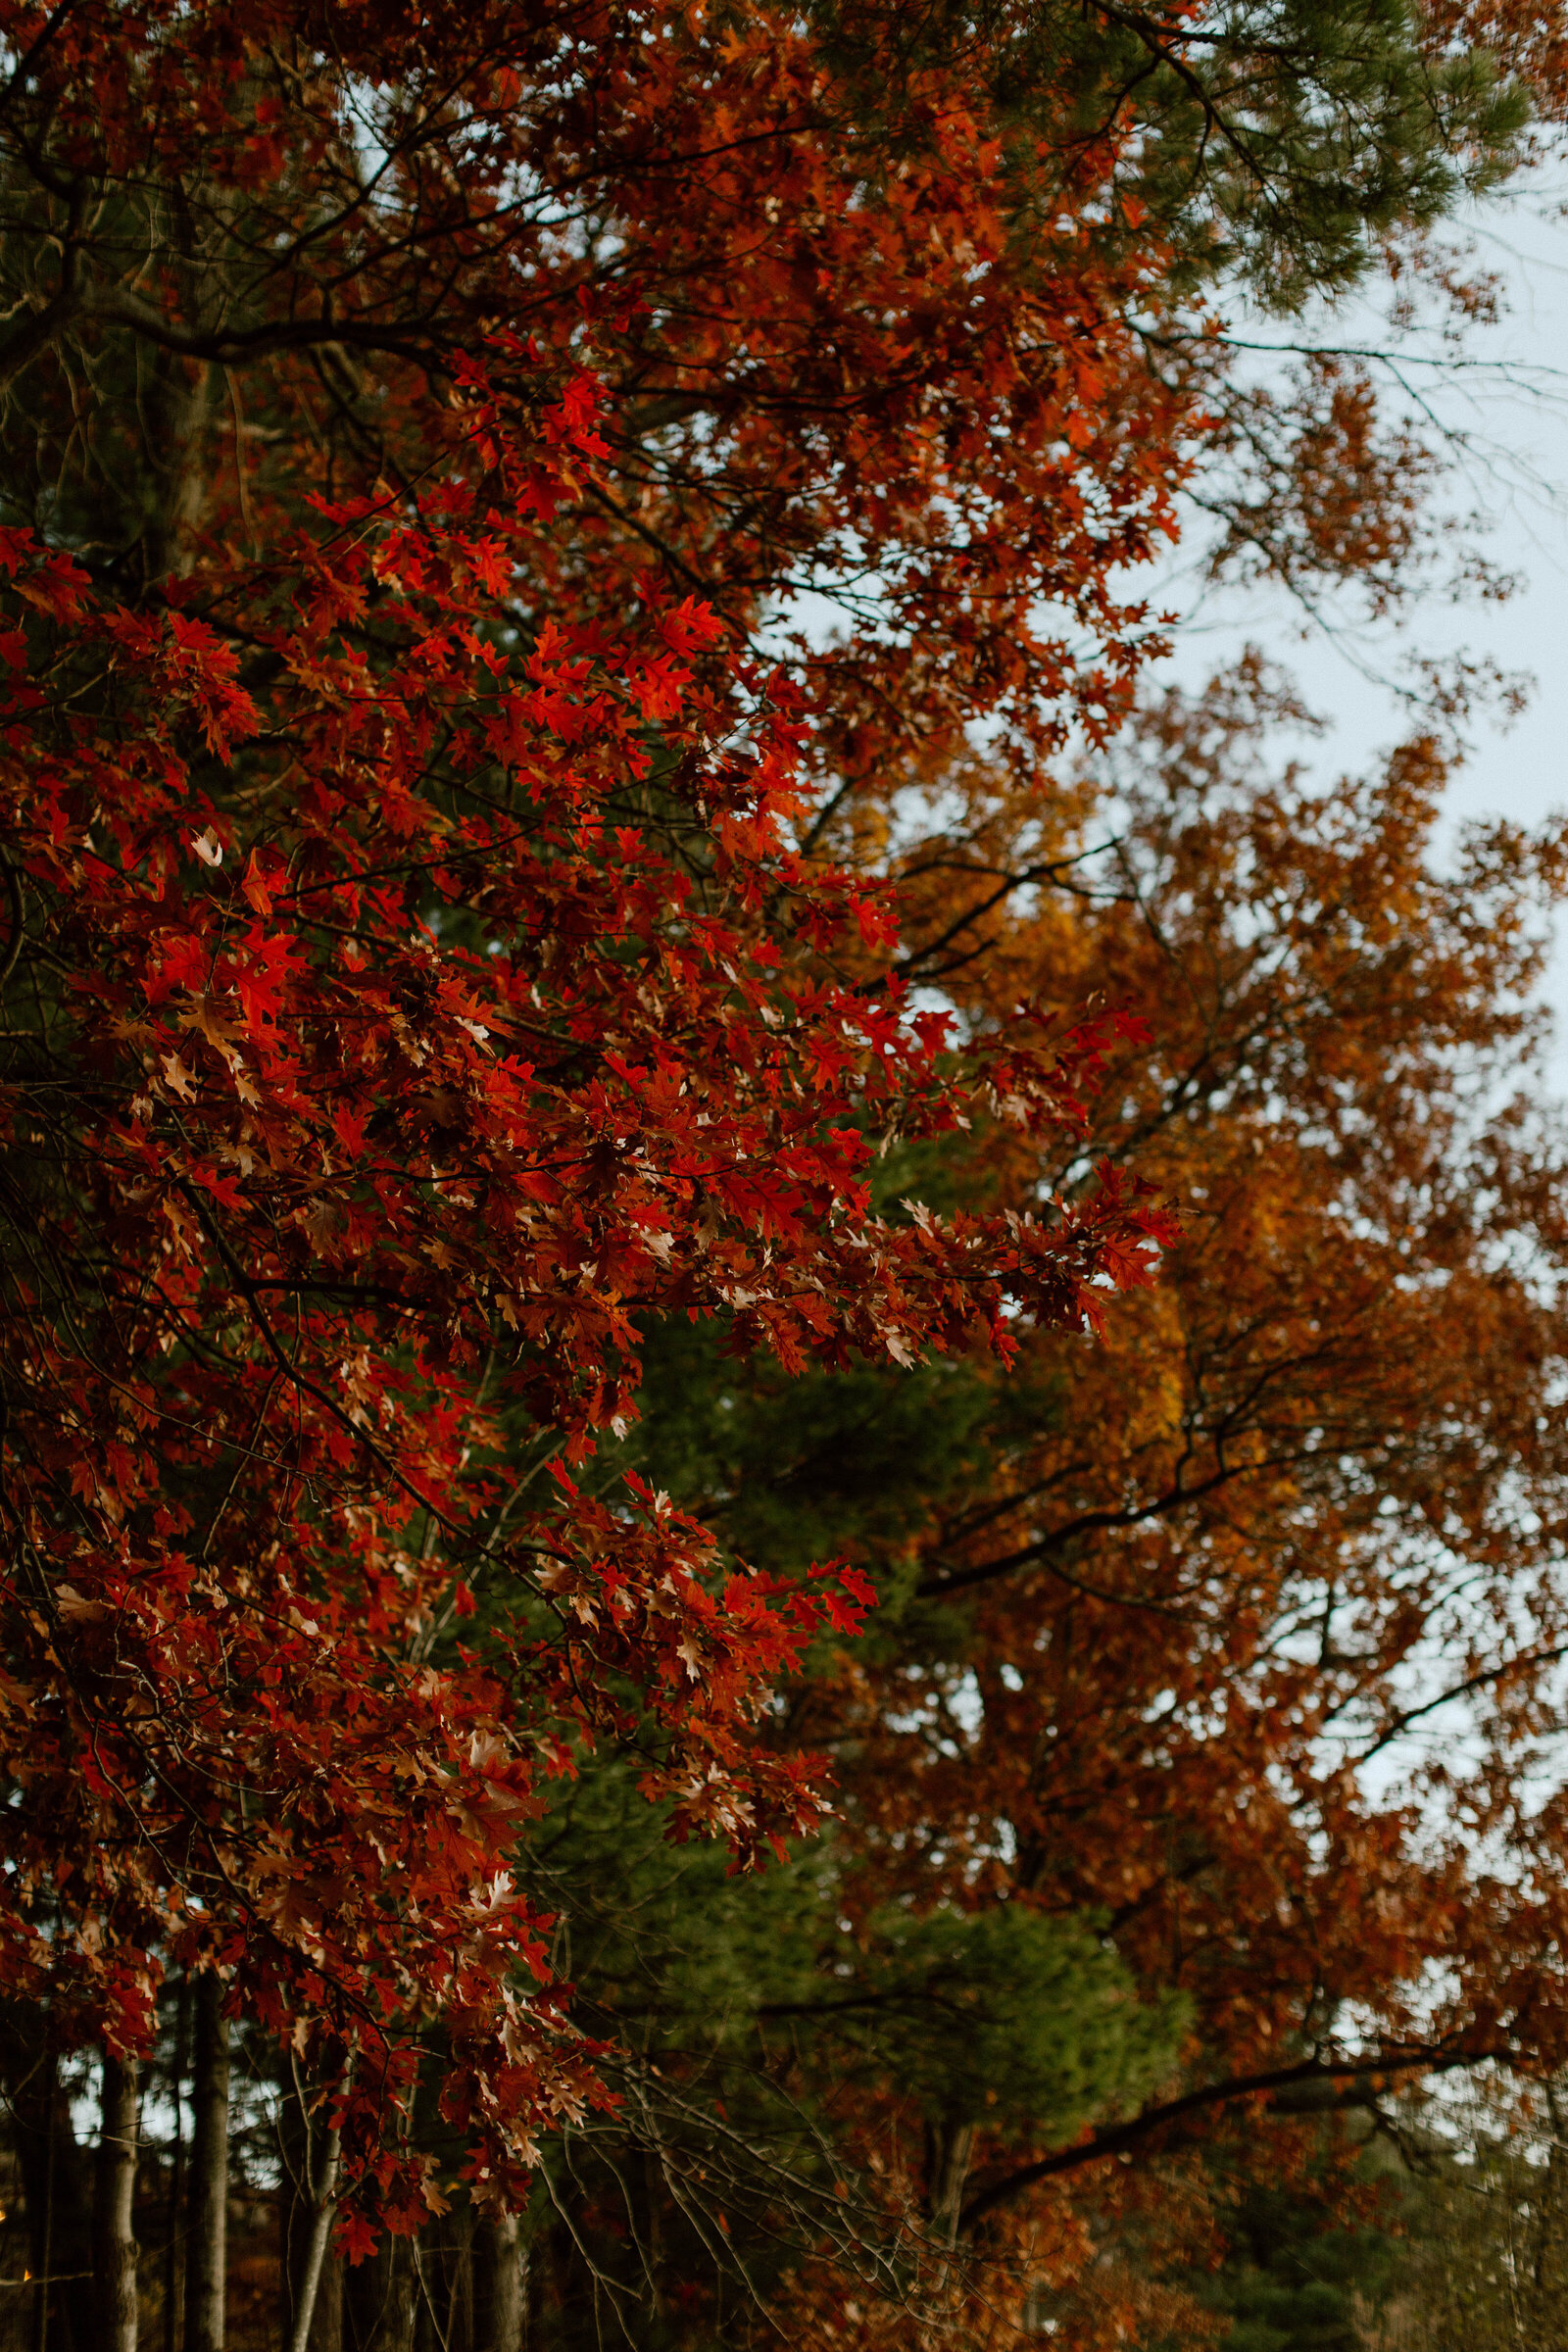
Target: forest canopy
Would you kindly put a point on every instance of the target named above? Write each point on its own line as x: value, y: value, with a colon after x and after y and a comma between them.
x: 766, y: 1337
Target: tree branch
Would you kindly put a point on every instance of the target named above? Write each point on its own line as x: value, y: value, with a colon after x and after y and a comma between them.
x: 1116, y: 2139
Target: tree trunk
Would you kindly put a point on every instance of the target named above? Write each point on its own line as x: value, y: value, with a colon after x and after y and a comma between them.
x: 500, y: 2312
x: 948, y: 2148
x: 175, y: 2224
x: 312, y: 2279
x: 206, y: 2247
x: 313, y: 2307
x: 179, y: 410
x: 326, y: 2317
x: 114, y: 2246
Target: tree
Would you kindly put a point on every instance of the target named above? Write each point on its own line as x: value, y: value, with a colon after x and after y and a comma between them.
x: 423, y: 984
x: 1167, y: 1624
x: 445, y: 942
x: 1173, y: 1652
x: 1326, y: 1464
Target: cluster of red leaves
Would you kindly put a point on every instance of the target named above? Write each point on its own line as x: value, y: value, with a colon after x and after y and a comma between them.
x: 396, y: 1069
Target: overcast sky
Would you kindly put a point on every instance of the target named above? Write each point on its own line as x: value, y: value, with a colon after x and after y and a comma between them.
x: 1509, y: 399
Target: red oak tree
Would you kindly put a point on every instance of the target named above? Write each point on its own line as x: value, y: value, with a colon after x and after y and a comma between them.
x: 449, y: 859
x: 414, y: 980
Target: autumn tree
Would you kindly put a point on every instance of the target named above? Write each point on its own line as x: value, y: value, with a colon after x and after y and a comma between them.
x: 461, y: 929
x: 1241, y: 1633
x: 414, y: 979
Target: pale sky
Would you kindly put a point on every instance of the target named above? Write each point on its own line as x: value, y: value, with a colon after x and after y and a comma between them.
x: 1509, y: 399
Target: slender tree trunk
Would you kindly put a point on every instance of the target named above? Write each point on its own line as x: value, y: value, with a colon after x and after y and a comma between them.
x: 114, y: 2247
x: 327, y: 2318
x: 179, y: 420
x: 948, y: 2148
x: 306, y: 2155
x: 320, y: 2185
x: 207, y: 2242
x: 174, y: 2248
x: 499, y: 2311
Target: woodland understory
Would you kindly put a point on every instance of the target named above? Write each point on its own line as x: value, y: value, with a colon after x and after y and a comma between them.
x: 783, y: 1483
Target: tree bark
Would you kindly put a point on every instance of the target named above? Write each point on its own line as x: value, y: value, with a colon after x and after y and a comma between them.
x: 114, y: 2246
x: 181, y: 416
x: 947, y: 2150
x: 326, y: 2317
x: 207, y: 2245
x: 314, y: 2256
x: 312, y: 2279
x: 500, y: 2311
x: 181, y: 456
x: 173, y: 2242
